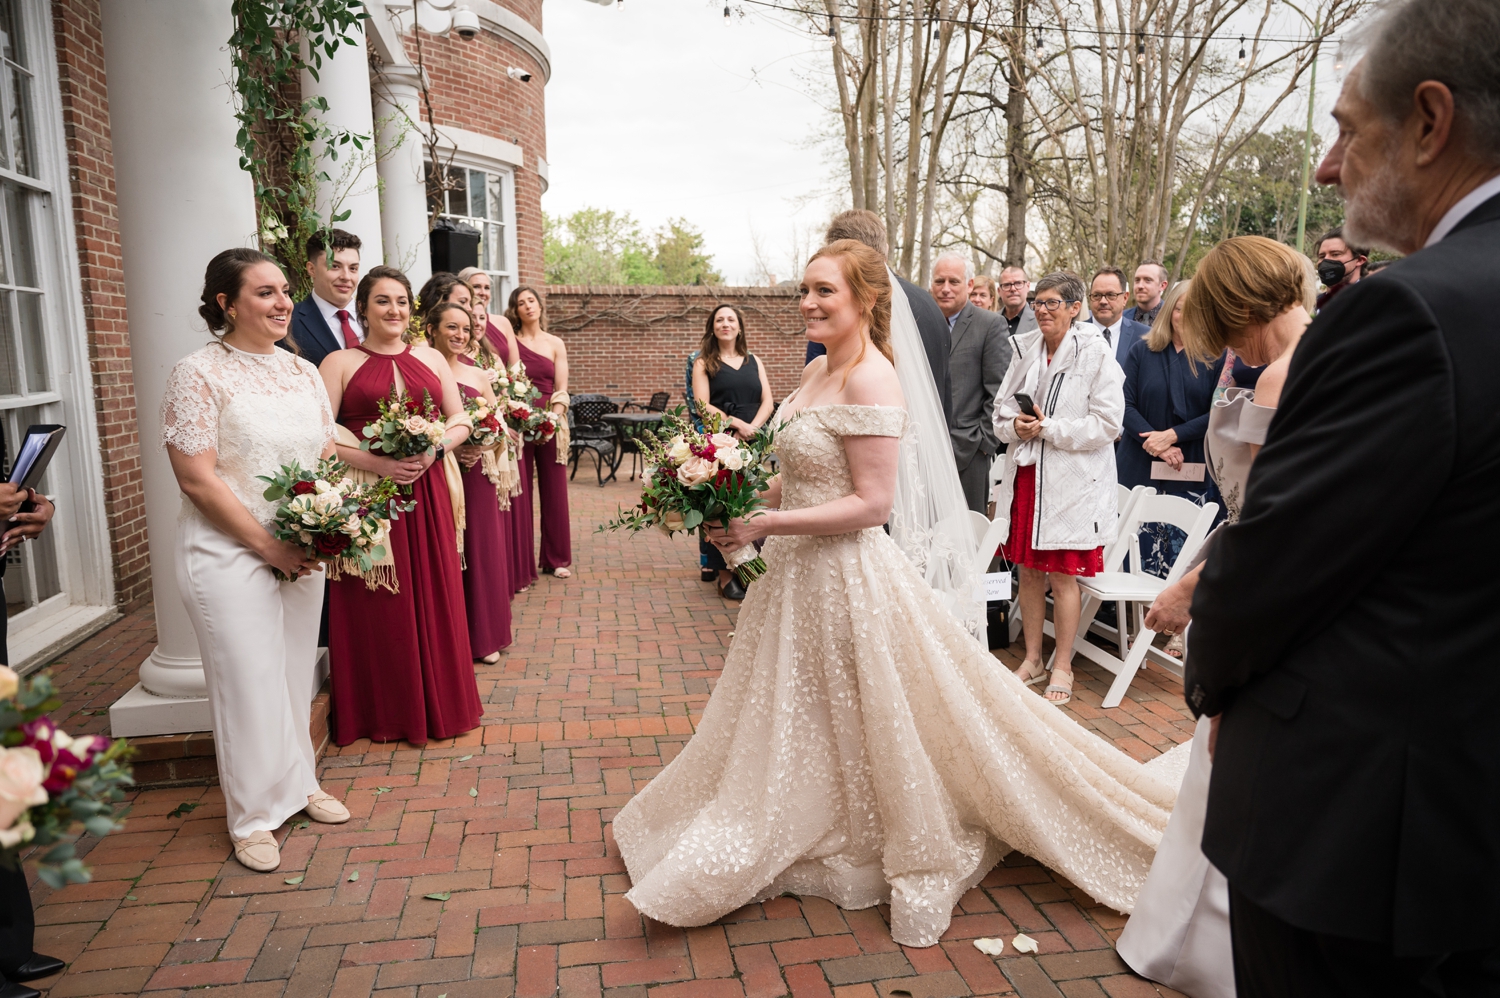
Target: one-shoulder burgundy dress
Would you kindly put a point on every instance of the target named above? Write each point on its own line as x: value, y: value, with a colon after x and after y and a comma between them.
x: 551, y: 479
x: 486, y: 561
x: 400, y: 662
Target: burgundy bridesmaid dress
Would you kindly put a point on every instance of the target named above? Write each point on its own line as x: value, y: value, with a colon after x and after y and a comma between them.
x: 551, y: 485
x: 400, y: 662
x: 486, y: 562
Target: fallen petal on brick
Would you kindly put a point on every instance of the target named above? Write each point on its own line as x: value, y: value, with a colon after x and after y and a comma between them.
x: 990, y: 947
x: 1024, y: 943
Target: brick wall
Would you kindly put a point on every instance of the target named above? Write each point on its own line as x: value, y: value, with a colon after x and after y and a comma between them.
x: 470, y: 90
x: 635, y: 341
x: 91, y: 173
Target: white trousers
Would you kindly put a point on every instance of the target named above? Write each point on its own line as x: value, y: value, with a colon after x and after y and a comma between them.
x: 258, y: 638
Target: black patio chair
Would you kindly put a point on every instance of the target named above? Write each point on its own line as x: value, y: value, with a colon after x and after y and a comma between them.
x: 658, y: 402
x: 590, y: 433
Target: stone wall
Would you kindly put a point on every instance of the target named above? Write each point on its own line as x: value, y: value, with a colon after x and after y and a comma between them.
x: 635, y: 340
x: 78, y: 34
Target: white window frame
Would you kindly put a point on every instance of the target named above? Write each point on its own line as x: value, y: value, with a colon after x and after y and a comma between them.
x: 75, y: 480
x: 505, y: 281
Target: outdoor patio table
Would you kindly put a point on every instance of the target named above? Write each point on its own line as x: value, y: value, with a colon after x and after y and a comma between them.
x: 627, y: 425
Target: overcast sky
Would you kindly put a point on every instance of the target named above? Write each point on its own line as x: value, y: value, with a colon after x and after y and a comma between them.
x: 663, y: 108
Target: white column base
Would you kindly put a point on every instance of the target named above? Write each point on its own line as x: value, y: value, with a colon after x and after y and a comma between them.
x: 140, y: 712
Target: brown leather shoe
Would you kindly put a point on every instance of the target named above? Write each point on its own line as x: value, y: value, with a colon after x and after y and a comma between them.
x: 325, y: 808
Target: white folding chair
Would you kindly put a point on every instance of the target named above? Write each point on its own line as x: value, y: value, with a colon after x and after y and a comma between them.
x: 1123, y: 506
x: 1136, y: 587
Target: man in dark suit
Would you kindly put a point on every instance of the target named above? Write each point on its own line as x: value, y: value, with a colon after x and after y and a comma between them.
x: 1019, y: 318
x: 977, y: 359
x: 1107, y: 297
x: 324, y: 321
x: 866, y: 227
x: 1345, y: 630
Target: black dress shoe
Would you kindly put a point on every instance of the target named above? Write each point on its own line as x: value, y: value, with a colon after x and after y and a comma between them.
x: 10, y: 989
x: 40, y: 965
x: 709, y: 575
x: 732, y: 589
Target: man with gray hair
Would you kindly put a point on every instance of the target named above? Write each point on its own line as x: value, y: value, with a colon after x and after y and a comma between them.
x: 978, y: 354
x: 1352, y: 804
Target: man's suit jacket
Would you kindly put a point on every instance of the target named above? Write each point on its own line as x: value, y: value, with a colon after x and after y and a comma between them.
x: 1130, y: 331
x: 1347, y: 625
x: 1133, y: 313
x: 1026, y: 325
x: 311, y: 332
x: 933, y: 326
x: 977, y: 361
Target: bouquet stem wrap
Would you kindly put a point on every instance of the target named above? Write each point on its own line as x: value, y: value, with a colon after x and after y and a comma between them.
x: 382, y: 575
x: 746, y: 563
x: 564, y: 435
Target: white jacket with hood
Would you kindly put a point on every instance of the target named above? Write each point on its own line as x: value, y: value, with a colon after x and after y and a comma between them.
x: 1082, y: 398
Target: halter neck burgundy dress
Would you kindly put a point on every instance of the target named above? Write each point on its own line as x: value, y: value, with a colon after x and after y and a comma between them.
x: 400, y: 662
x: 486, y: 560
x: 551, y: 478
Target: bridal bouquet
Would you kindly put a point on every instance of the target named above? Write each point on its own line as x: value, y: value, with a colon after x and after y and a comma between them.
x: 50, y: 781
x: 405, y: 428
x: 518, y: 396
x: 489, y: 429
x: 331, y: 517
x: 695, y: 477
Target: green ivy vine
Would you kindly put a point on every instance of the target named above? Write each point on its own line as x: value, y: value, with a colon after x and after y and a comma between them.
x: 284, y: 146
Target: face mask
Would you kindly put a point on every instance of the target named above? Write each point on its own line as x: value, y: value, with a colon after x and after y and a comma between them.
x: 1331, y: 272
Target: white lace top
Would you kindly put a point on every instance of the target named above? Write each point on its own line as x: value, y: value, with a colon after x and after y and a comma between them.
x: 256, y: 411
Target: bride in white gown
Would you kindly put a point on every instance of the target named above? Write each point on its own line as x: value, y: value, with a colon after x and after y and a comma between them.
x: 861, y: 744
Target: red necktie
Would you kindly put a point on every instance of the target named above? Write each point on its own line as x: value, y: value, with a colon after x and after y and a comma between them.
x: 351, y: 341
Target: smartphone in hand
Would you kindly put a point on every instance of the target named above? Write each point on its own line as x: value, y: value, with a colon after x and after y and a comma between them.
x: 1024, y: 403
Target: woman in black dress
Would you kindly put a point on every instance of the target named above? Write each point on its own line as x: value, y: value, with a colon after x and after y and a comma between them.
x: 732, y: 383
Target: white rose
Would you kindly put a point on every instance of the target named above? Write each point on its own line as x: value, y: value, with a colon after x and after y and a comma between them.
x: 21, y: 776
x: 678, y: 450
x: 415, y: 425
x: 320, y: 486
x: 723, y: 441
x: 352, y: 526
x: 672, y: 520
x: 304, y: 537
x: 696, y: 471
x: 733, y: 458
x: 380, y: 533
x: 9, y: 682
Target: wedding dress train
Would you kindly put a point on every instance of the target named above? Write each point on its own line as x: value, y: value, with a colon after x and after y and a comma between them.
x: 862, y: 746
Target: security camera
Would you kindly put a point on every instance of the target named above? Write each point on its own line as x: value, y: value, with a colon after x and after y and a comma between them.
x: 466, y: 23
x: 518, y: 74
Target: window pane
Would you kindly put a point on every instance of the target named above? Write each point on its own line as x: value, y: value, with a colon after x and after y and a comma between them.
x: 33, y: 340
x: 9, y: 383
x: 458, y: 192
x: 493, y: 251
x: 10, y: 33
x: 18, y: 122
x: 496, y: 204
x: 18, y: 227
x: 476, y: 193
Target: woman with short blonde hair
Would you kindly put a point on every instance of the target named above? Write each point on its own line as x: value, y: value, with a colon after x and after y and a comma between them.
x: 1241, y: 288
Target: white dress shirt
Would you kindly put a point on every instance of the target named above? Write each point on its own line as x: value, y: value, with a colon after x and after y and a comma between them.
x: 330, y: 316
x: 1460, y: 211
x: 1112, y: 333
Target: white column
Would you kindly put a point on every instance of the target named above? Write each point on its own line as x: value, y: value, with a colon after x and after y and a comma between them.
x: 182, y: 199
x: 401, y: 152
x: 344, y: 82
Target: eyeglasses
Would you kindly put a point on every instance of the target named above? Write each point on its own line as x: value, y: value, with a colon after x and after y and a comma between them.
x: 1012, y: 285
x: 1107, y: 295
x: 1053, y: 304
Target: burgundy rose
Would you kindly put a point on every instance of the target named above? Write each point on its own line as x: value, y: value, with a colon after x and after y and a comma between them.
x: 329, y: 545
x: 303, y: 488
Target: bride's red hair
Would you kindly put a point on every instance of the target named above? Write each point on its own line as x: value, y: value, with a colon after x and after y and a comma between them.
x: 870, y: 283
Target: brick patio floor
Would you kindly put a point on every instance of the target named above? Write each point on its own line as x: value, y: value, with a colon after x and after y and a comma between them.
x: 484, y: 866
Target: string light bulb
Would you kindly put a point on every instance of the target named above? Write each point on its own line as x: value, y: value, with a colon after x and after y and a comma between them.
x: 726, y: 12
x: 1242, y: 60
x: 1140, y: 50
x: 1038, y: 39
x: 1338, y: 57
x: 830, y: 25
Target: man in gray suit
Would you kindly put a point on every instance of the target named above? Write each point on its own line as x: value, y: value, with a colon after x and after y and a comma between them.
x: 1014, y: 284
x: 978, y: 354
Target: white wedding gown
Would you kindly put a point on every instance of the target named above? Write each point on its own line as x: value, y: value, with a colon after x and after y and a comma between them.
x: 862, y: 746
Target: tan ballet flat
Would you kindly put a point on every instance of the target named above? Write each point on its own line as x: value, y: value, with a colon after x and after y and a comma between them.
x: 325, y: 808
x: 258, y: 852
x: 491, y: 658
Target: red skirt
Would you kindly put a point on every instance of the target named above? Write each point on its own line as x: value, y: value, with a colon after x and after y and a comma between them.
x: 1017, y: 548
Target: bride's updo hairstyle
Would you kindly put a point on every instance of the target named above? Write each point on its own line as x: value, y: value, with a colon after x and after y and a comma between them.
x: 367, y: 287
x: 870, y: 284
x: 225, y: 276
x: 1244, y: 281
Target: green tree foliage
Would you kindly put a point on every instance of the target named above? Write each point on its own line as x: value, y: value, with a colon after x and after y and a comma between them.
x: 598, y: 246
x: 1257, y: 195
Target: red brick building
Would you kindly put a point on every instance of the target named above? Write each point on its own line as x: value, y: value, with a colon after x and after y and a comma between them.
x: 119, y: 179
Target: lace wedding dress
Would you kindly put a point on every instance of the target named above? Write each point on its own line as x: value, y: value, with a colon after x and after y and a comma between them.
x: 258, y: 637
x: 864, y: 747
